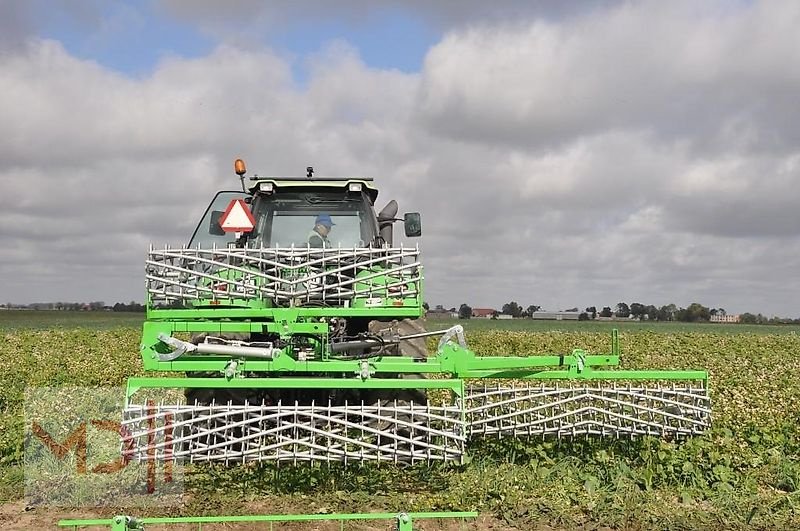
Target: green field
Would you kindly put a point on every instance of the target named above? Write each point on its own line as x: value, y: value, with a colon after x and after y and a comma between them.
x: 44, y: 320
x: 529, y: 325
x: 744, y: 474
x: 50, y: 319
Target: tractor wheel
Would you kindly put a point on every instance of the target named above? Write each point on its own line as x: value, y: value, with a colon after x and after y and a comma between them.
x: 411, y: 348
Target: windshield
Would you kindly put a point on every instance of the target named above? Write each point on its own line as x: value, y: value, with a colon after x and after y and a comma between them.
x: 208, y: 233
x: 299, y: 218
x: 283, y: 219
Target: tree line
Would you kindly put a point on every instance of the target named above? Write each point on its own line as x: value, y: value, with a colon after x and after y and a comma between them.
x: 94, y: 306
x: 694, y: 313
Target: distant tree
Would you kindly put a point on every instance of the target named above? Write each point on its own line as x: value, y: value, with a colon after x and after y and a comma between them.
x: 747, y: 318
x: 425, y: 305
x: 592, y: 312
x: 583, y: 316
x: 622, y: 310
x: 530, y: 310
x: 638, y: 310
x: 651, y: 312
x: 464, y: 311
x: 606, y: 312
x: 512, y: 308
x: 132, y: 306
x: 667, y: 312
x: 697, y: 312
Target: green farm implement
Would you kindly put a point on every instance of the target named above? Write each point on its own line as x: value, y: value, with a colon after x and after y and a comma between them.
x: 293, y: 321
x: 402, y: 521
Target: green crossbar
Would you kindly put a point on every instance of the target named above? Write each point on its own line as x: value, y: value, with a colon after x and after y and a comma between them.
x: 452, y: 362
x: 404, y: 521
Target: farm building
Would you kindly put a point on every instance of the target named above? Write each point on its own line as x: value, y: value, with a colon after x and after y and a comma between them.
x: 734, y: 318
x: 483, y: 313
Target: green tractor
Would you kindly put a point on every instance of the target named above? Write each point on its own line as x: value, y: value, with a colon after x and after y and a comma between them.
x: 293, y: 321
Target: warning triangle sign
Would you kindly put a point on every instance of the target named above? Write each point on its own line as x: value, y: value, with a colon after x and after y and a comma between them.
x: 237, y: 217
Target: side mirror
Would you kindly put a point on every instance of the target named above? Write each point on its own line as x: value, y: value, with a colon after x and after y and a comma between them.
x: 214, y: 227
x: 413, y: 224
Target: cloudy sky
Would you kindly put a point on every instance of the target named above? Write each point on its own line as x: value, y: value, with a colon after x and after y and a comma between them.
x: 561, y: 155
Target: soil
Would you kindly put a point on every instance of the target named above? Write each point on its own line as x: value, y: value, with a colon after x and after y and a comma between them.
x: 16, y: 516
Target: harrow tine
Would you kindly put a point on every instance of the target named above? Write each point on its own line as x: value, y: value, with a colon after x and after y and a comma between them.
x: 405, y: 433
x: 590, y: 410
x: 311, y: 433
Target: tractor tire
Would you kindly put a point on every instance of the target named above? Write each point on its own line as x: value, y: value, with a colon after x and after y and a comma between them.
x: 412, y: 348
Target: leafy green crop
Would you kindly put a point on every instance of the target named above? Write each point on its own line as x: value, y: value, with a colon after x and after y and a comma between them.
x: 745, y: 473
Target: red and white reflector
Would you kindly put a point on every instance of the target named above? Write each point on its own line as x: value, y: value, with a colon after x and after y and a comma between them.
x: 237, y: 217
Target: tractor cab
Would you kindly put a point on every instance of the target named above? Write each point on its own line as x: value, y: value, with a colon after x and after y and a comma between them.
x: 300, y: 212
x: 287, y: 218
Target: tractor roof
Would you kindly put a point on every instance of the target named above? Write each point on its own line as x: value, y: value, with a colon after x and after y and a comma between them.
x: 315, y: 182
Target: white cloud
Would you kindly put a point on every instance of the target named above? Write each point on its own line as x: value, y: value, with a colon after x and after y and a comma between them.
x: 682, y: 69
x: 644, y: 152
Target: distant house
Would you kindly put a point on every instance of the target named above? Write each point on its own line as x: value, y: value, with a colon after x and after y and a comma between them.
x: 734, y: 318
x: 483, y: 313
x: 556, y: 316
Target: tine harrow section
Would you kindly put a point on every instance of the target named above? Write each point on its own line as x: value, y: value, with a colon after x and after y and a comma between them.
x: 396, y: 432
x: 673, y: 411
x: 283, y: 275
x: 403, y: 432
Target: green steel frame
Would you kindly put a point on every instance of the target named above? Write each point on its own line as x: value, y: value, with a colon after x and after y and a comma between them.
x: 403, y: 521
x: 453, y: 363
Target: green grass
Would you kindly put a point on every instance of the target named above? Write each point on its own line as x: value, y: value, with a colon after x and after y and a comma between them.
x: 743, y: 474
x: 529, y: 325
x: 48, y: 319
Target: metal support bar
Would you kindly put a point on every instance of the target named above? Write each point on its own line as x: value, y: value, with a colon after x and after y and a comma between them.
x: 672, y: 375
x: 403, y: 520
x: 227, y: 348
x: 424, y: 334
x: 139, y: 383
